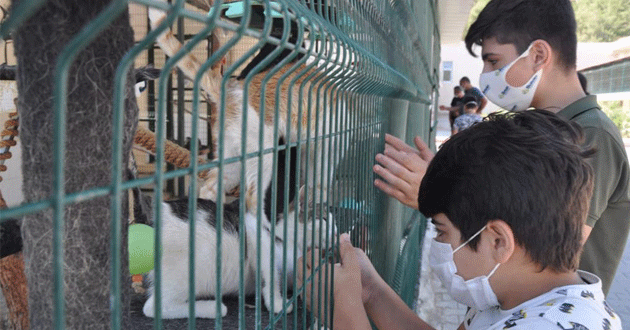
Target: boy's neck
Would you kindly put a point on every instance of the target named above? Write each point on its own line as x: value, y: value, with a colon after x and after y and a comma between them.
x: 557, y: 90
x: 531, y: 283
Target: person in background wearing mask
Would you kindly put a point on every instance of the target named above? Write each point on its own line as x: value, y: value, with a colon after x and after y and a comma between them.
x: 469, y: 118
x: 507, y: 246
x: 474, y: 92
x: 528, y: 48
x: 457, y: 103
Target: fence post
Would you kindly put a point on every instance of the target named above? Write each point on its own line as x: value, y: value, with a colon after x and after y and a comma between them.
x: 390, y: 229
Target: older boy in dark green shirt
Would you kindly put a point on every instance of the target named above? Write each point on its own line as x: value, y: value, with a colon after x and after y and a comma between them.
x: 529, y: 52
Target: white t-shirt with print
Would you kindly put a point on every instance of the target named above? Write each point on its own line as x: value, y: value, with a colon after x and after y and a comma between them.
x: 577, y: 307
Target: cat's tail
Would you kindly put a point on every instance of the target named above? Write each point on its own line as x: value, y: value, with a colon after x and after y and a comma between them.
x: 189, y: 64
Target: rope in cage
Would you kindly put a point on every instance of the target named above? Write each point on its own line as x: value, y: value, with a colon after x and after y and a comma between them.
x: 7, y: 137
x: 12, y: 276
x: 173, y: 153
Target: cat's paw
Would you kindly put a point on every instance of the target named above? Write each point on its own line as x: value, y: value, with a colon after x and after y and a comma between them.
x: 277, y: 306
x: 149, y: 307
x: 207, y: 309
x: 289, y: 309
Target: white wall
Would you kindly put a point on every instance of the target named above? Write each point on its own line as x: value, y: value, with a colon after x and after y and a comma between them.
x: 463, y: 65
x: 11, y: 185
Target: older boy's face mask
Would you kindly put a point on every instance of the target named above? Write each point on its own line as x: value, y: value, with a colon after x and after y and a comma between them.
x: 500, y: 92
x: 475, y: 293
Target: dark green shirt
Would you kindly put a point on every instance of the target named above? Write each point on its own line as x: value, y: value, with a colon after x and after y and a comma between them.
x: 609, y: 213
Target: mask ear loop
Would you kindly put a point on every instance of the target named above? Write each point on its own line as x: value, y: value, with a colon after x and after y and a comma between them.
x: 470, y: 239
x: 494, y: 270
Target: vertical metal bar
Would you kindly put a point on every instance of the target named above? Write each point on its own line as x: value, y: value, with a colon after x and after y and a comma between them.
x: 239, y: 33
x: 170, y: 129
x: 314, y: 79
x: 181, y: 95
x: 119, y: 104
x: 304, y: 70
x: 260, y: 191
x: 159, y: 162
x: 291, y: 171
x: 221, y: 159
x: 194, y: 166
x: 309, y: 75
x: 151, y: 86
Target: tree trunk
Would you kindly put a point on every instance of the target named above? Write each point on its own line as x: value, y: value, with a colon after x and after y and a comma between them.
x: 88, y: 160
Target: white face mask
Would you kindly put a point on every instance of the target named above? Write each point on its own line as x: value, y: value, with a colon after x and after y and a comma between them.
x: 475, y: 293
x: 496, y: 88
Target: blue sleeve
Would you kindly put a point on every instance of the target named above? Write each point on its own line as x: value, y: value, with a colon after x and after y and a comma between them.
x: 457, y: 124
x: 478, y: 93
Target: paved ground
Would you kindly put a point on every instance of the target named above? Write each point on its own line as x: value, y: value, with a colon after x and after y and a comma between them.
x: 619, y: 295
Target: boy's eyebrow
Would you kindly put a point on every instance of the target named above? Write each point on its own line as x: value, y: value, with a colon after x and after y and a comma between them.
x: 485, y: 56
x: 436, y: 222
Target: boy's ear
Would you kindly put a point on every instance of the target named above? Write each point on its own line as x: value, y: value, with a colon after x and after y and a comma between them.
x: 503, y: 243
x: 543, y: 54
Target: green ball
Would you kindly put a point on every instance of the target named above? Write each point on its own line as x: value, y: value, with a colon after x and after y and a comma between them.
x: 141, y: 251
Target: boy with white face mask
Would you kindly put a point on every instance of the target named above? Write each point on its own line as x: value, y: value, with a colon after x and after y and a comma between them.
x: 508, y: 197
x: 529, y: 52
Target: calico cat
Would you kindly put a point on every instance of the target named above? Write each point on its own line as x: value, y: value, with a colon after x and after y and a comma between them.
x: 308, y: 121
x: 175, y: 255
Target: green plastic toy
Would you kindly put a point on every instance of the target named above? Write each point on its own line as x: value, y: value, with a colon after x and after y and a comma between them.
x: 141, y: 249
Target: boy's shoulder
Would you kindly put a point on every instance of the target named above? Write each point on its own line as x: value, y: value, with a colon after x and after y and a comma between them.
x: 475, y: 92
x: 588, y: 114
x: 568, y: 307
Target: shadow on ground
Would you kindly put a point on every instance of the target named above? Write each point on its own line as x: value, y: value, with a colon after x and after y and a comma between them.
x: 298, y: 319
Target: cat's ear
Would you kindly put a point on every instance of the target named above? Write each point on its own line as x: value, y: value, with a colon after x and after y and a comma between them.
x: 296, y: 202
x: 146, y: 73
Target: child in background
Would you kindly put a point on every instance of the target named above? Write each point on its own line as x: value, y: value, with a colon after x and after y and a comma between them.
x: 469, y: 118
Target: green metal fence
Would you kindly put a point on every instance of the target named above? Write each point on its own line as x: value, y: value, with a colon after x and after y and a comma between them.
x: 609, y: 78
x: 373, y: 64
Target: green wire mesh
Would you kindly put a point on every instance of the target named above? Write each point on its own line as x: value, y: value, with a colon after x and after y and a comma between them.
x: 609, y: 78
x: 369, y: 66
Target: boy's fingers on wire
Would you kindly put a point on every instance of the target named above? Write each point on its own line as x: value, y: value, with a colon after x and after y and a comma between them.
x: 401, y: 160
x: 398, y: 144
x: 309, y: 258
x: 395, y: 180
x: 392, y: 165
x: 348, y: 255
x: 425, y: 153
x: 409, y: 198
x: 299, y: 266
